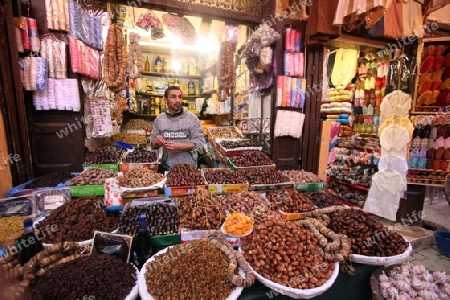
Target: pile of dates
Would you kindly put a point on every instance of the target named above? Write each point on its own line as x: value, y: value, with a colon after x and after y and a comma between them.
x: 241, y: 143
x: 289, y: 201
x: 104, y: 155
x: 140, y: 155
x: 250, y: 159
x: 49, y: 180
x: 322, y: 199
x: 184, y: 175
x: 223, y: 176
x: 162, y: 218
x: 367, y: 236
x: 263, y: 175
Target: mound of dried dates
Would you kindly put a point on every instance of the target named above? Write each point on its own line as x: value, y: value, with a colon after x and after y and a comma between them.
x: 263, y: 175
x: 104, y: 155
x: 223, y: 176
x: 250, y: 159
x: 225, y: 133
x: 89, y: 277
x: 76, y: 221
x: 301, y: 176
x: 289, y: 200
x: 322, y: 199
x: 184, y: 175
x: 367, y: 236
x: 287, y: 254
x: 203, y: 210
x: 140, y: 155
x: 249, y: 203
x: 92, y: 176
x: 241, y: 143
x: 49, y: 180
x: 140, y: 176
x: 130, y: 138
x: 162, y: 218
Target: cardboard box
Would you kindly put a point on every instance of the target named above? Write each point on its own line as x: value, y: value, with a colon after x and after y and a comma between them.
x: 234, y: 151
x: 112, y: 167
x: 176, y: 191
x: 310, y: 187
x: 87, y: 190
x: 124, y: 167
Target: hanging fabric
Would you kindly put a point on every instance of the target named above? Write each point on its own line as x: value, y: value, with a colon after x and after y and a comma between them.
x: 54, y: 50
x: 35, y: 73
x: 384, y: 194
x: 289, y: 123
x: 344, y: 69
x: 397, y: 103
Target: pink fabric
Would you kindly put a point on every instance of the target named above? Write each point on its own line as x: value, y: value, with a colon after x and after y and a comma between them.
x: 440, y: 142
x: 447, y: 142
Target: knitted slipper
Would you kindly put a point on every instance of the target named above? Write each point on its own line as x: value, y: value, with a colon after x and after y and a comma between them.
x: 433, y: 97
x: 438, y: 62
x: 427, y: 64
x: 439, y: 50
x: 426, y: 86
x: 443, y: 98
x: 436, y: 85
x: 424, y: 98
x: 437, y: 74
x: 445, y: 74
x: 427, y: 75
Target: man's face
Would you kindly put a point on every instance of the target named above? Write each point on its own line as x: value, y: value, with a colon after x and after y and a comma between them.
x: 174, y: 100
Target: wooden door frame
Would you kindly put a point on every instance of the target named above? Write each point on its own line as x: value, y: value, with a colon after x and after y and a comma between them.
x: 12, y: 105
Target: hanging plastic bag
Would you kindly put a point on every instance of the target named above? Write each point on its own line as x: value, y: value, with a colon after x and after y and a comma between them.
x: 35, y: 73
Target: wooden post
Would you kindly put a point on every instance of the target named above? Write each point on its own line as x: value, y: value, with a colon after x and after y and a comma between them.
x: 5, y: 172
x: 323, y: 152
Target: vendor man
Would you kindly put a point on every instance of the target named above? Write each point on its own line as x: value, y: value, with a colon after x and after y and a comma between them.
x: 178, y: 131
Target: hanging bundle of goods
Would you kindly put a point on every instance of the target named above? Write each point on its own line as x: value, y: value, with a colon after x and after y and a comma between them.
x: 134, y: 61
x: 227, y: 72
x: 149, y: 20
x: 115, y: 60
x: 181, y: 27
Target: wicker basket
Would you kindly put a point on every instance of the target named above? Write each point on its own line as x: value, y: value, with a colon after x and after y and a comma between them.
x: 375, y: 282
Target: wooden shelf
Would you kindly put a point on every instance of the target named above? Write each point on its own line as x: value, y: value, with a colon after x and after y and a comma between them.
x: 162, y: 95
x: 171, y: 75
x: 355, y: 186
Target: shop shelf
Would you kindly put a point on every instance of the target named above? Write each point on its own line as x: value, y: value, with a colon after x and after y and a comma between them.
x: 355, y: 186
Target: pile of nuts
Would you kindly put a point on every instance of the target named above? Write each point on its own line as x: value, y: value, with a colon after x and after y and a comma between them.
x: 76, y: 221
x: 250, y: 204
x: 192, y: 270
x: 137, y: 124
x: 130, y: 138
x: 95, y: 276
x: 140, y: 176
x: 184, y: 175
x: 287, y: 254
x: 223, y: 176
x: 322, y: 199
x: 140, y: 155
x: 11, y: 228
x: 49, y: 180
x: 162, y: 218
x: 104, y: 155
x: 241, y: 143
x: 367, y: 236
x: 301, y: 176
x: 250, y: 159
x: 263, y: 175
x: 203, y: 210
x: 289, y: 200
x: 225, y: 133
x: 92, y: 176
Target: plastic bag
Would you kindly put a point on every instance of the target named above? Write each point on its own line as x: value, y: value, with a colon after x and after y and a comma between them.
x: 264, y: 80
x: 113, y: 194
x: 118, y: 245
x: 21, y: 206
x: 49, y: 199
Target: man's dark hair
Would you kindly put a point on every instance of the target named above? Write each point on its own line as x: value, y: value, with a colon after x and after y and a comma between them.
x: 171, y: 88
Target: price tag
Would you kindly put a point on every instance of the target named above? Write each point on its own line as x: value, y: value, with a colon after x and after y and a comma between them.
x: 53, y: 201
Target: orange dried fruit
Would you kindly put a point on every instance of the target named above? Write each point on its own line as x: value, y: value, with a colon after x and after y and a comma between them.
x: 238, y: 224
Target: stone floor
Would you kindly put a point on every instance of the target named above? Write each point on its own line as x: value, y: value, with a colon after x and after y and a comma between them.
x: 436, y: 212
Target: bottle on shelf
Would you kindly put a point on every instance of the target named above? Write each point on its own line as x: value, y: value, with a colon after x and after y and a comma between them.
x: 146, y: 65
x: 158, y: 64
x: 191, y: 87
x: 142, y: 244
x: 29, y: 244
x: 176, y: 82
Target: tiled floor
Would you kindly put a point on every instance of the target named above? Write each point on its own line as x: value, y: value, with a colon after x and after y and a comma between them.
x: 431, y: 259
x: 437, y: 214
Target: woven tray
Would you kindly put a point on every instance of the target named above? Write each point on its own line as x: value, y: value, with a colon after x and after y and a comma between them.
x: 375, y: 283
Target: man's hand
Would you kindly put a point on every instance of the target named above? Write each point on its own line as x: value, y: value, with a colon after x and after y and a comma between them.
x: 178, y: 147
x: 158, y: 141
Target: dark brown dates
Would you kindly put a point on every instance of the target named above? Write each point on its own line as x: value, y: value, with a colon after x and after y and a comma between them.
x: 140, y: 155
x: 263, y: 175
x: 104, y: 155
x: 231, y: 144
x: 250, y: 159
x: 223, y: 176
x: 184, y: 175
